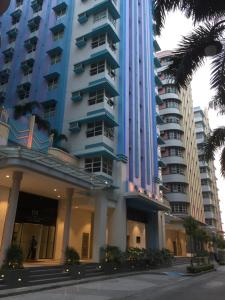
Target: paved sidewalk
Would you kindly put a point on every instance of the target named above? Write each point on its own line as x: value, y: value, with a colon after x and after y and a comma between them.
x: 174, y: 271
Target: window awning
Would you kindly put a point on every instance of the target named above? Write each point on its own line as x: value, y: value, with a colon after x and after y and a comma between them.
x: 32, y: 41
x: 60, y: 6
x: 12, y: 33
x: 16, y: 14
x: 107, y: 4
x: 54, y: 51
x: 102, y: 114
x: 8, y: 52
x: 27, y: 64
x: 53, y: 75
x: 101, y: 55
x: 49, y: 103
x: 34, y: 21
x: 105, y: 28
x: 24, y: 86
x: 99, y: 84
x: 57, y: 28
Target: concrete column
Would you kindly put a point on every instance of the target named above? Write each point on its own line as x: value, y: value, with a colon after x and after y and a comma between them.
x: 118, y: 225
x: 100, y: 224
x: 10, y: 214
x: 152, y: 231
x: 63, y: 225
x: 162, y: 230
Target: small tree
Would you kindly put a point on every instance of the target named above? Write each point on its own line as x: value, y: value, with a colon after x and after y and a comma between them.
x: 71, y: 256
x: 13, y: 258
x: 57, y: 138
x: 191, y: 227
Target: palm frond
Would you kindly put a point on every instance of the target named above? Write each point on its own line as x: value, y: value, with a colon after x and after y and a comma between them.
x: 222, y: 162
x: 198, y: 10
x: 191, y: 54
x: 160, y: 8
x: 213, y: 142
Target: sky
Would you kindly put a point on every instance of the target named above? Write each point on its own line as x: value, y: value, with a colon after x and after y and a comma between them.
x: 176, y: 26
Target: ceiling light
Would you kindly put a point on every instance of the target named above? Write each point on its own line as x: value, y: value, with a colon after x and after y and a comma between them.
x: 7, y: 176
x: 59, y: 196
x: 55, y: 190
x: 76, y: 206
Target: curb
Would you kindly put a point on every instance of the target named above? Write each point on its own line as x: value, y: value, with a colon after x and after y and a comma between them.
x: 33, y: 289
x: 200, y: 273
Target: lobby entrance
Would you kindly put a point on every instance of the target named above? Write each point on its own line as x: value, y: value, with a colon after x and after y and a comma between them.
x: 35, y: 218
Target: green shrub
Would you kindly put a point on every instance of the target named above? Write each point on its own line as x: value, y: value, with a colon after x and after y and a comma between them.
x: 111, y: 254
x: 71, y: 256
x: 199, y: 269
x: 167, y: 256
x: 14, y: 258
x: 136, y: 254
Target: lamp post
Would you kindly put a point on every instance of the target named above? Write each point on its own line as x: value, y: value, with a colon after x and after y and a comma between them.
x: 4, y: 4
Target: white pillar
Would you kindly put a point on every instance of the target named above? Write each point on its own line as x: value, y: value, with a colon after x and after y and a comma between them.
x: 162, y: 234
x: 11, y: 214
x: 118, y: 225
x: 100, y: 224
x: 63, y: 225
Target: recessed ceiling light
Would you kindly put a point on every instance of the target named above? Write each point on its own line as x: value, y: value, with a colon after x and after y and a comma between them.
x: 55, y: 190
x: 76, y: 206
x: 7, y: 176
x: 59, y: 196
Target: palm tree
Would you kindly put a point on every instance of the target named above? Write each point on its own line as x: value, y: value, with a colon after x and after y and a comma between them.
x: 191, y: 228
x: 207, y: 40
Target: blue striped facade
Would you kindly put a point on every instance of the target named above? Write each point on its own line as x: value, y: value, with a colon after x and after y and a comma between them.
x: 137, y: 105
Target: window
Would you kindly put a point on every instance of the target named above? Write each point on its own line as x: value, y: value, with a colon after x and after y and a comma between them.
x: 55, y: 58
x: 97, y: 68
x: 31, y: 44
x: 94, y: 128
x: 49, y: 111
x: 174, y: 134
x: 179, y: 208
x: 23, y: 91
x: 61, y: 11
x: 4, y: 76
x: 34, y: 23
x: 98, y: 41
x: 52, y: 83
x: 19, y: 2
x: 171, y: 119
x: 176, y: 188
x: 93, y: 165
x: 209, y: 208
x: 172, y: 104
x: 171, y: 89
x: 99, y: 96
x: 36, y: 5
x: 16, y: 16
x: 100, y: 16
x: 99, y: 164
x: 32, y: 48
x: 96, y: 97
x: 58, y: 35
x: 28, y: 70
x: 176, y: 169
x: 199, y: 135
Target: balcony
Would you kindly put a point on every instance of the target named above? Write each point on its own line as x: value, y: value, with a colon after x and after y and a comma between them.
x: 173, y: 142
x: 95, y: 57
x: 93, y: 86
x: 171, y: 126
x: 34, y: 23
x: 177, y: 197
x: 170, y: 110
x: 169, y: 96
x: 174, y: 178
x: 206, y: 188
x: 174, y: 160
x: 104, y: 5
x: 158, y: 100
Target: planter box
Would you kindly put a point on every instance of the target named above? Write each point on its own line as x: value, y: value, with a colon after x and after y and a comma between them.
x: 15, y: 278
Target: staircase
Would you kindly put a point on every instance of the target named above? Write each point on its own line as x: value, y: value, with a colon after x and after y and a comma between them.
x: 55, y: 274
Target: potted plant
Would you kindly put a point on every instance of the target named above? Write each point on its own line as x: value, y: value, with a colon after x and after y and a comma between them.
x: 12, y: 270
x: 72, y: 263
x: 111, y: 259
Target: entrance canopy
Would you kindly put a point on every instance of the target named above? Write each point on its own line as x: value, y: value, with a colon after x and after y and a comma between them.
x: 144, y: 203
x: 47, y: 164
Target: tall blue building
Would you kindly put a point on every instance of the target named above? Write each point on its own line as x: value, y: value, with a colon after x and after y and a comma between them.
x: 90, y: 66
